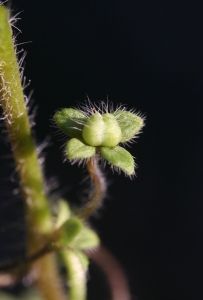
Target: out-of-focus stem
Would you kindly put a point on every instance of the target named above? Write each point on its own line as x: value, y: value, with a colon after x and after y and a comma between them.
x: 76, y: 275
x: 116, y: 278
x: 48, y: 279
x: 38, y: 214
x: 99, y: 189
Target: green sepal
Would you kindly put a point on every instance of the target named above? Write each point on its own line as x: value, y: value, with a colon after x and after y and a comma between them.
x: 75, y: 149
x: 129, y: 123
x: 71, y: 121
x: 63, y: 213
x: 87, y: 239
x: 119, y: 157
x: 69, y: 230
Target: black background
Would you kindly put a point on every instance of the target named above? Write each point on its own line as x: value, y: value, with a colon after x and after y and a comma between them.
x: 149, y: 56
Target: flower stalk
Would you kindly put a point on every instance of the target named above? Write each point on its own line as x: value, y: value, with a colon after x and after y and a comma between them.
x: 99, y: 188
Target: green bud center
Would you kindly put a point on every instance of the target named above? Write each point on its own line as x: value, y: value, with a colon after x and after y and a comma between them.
x: 102, y: 130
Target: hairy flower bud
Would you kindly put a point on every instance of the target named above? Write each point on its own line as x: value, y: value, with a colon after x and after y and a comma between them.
x: 102, y: 130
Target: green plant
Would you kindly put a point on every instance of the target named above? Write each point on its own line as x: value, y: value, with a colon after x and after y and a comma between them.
x: 95, y: 133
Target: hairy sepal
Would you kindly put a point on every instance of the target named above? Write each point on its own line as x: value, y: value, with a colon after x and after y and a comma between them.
x: 70, y: 121
x: 120, y: 158
x: 129, y: 123
x: 76, y: 149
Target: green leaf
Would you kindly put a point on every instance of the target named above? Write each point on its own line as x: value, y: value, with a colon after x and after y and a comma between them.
x: 69, y: 230
x: 63, y: 213
x: 87, y: 239
x: 76, y: 149
x: 71, y: 121
x: 129, y: 123
x: 119, y: 157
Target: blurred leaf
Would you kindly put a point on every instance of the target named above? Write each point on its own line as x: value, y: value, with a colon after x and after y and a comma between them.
x: 87, y: 239
x: 63, y: 213
x: 69, y: 230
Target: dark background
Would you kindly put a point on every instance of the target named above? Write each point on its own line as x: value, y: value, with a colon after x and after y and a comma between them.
x: 149, y: 56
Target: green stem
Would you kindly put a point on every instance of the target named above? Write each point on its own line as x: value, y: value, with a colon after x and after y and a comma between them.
x: 38, y: 214
x: 99, y: 189
x: 75, y: 274
x: 19, y: 132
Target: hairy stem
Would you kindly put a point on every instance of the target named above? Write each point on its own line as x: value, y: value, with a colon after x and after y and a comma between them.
x: 75, y: 274
x: 23, y: 147
x: 98, y: 186
x: 38, y: 215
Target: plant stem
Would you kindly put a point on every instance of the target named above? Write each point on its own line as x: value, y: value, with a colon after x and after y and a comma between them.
x: 38, y: 214
x: 75, y: 274
x: 48, y: 278
x: 99, y: 189
x: 116, y: 277
x: 23, y: 147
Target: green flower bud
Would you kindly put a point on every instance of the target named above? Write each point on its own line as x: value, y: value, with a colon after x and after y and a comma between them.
x: 96, y: 129
x: 102, y: 130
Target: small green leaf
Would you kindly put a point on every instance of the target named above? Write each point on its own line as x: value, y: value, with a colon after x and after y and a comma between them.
x: 69, y: 230
x: 75, y: 149
x: 119, y: 157
x: 71, y: 121
x: 87, y: 239
x: 129, y: 123
x: 63, y: 213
